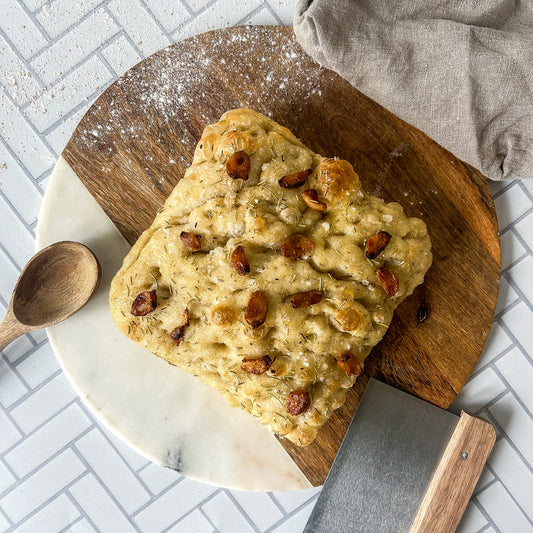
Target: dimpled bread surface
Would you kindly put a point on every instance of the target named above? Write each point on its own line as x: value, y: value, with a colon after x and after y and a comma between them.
x: 210, y: 286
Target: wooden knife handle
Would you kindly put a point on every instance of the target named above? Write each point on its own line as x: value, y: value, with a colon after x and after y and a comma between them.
x: 456, y: 476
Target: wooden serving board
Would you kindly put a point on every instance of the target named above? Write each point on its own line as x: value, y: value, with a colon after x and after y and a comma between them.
x: 138, y: 139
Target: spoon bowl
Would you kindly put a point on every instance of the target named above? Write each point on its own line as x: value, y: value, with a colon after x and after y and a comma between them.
x: 57, y: 281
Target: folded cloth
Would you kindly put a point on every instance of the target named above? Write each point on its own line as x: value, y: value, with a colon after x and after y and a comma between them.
x: 459, y: 70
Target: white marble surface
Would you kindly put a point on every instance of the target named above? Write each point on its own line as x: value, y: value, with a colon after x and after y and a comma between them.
x: 60, y: 470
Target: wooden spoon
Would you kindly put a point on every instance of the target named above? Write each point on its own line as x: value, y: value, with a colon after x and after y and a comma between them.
x: 56, y: 282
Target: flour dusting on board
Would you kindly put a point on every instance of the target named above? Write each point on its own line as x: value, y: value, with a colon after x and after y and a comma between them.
x: 179, y: 79
x: 153, y: 116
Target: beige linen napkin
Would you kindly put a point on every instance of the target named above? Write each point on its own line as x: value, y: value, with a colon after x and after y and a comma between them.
x: 460, y: 70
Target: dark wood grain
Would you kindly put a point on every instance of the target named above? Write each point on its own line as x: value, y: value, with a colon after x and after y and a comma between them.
x: 137, y: 140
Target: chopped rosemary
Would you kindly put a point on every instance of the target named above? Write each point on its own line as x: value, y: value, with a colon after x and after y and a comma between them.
x: 275, y: 398
x: 155, y: 280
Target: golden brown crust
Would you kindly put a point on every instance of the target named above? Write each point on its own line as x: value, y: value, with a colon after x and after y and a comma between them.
x: 303, y: 344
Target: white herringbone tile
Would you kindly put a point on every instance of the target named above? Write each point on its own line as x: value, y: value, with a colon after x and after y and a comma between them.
x: 518, y: 320
x: 17, y: 348
x: 41, y: 486
x: 518, y: 372
x: 100, y: 508
x: 197, y: 5
x: 296, y: 521
x: 68, y: 93
x: 473, y: 520
x: 292, y: 500
x: 158, y: 478
x: 169, y: 13
x: 113, y: 472
x: 56, y: 16
x: 504, y: 512
x: 121, y: 55
x: 7, y: 479
x: 162, y: 512
x: 39, y: 366
x: 508, y: 466
x: 12, y: 388
x: 60, y: 470
x: 517, y: 423
x: 9, y: 276
x: 24, y: 142
x: 522, y: 275
x: 512, y: 203
x: 43, y: 444
x: 43, y: 404
x: 220, y: 14
x: 81, y: 526
x: 74, y: 46
x: 18, y: 188
x: 260, y: 507
x: 194, y: 522
x: 15, y: 76
x: 497, y: 342
x: 9, y: 435
x: 506, y: 297
x: 55, y: 516
x: 479, y: 391
x: 284, y: 10
x: 263, y: 16
x: 223, y: 512
x: 20, y: 29
x: 487, y: 477
x: 34, y: 5
x: 512, y: 248
x: 4, y: 524
x: 139, y: 25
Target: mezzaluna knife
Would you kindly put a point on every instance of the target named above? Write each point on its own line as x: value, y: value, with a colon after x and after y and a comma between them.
x: 404, y: 466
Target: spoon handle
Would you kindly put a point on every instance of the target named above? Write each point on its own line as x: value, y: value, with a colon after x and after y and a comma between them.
x: 10, y: 329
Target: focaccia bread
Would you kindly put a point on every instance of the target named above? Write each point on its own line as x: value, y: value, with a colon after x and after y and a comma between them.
x: 269, y: 274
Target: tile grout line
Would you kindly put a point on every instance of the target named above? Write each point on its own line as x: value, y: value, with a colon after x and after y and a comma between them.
x: 273, y: 13
x: 125, y: 33
x: 277, y: 504
x: 516, y: 397
x: 509, y: 333
x: 159, y: 495
x: 27, y: 435
x: 30, y: 124
x: 198, y: 506
x: 74, y: 522
x: 513, y: 498
x: 180, y: 519
x: 526, y: 191
x: 68, y: 31
x: 294, y: 512
x: 57, y: 453
x: 504, y: 189
x: 204, y: 514
x: 521, y: 240
x: 517, y: 220
x: 49, y: 500
x: 156, y: 20
x: 496, y: 358
x: 105, y: 488
x: 26, y: 62
x: 239, y: 507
